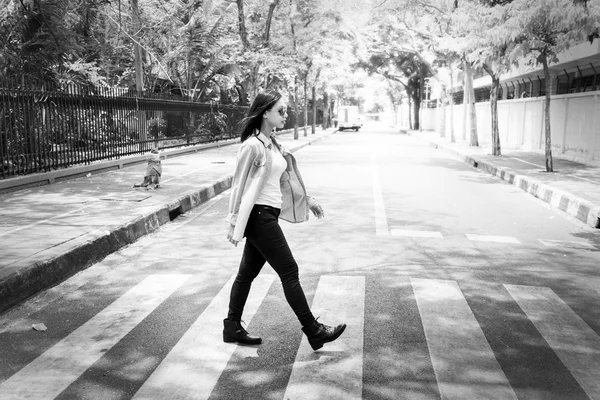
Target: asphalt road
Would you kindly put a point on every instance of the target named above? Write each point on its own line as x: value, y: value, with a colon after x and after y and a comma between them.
x: 453, y: 284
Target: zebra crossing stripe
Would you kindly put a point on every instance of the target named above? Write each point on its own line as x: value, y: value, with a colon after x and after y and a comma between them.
x: 53, y: 371
x: 193, y: 367
x: 335, y: 371
x: 492, y: 238
x: 463, y: 361
x: 575, y: 343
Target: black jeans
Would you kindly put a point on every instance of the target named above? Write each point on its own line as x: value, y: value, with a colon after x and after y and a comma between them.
x: 265, y: 242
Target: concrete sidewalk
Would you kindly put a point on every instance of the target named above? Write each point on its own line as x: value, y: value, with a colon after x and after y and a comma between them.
x: 48, y: 233
x: 573, y: 187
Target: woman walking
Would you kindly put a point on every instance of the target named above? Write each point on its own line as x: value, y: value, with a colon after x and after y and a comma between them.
x: 267, y: 186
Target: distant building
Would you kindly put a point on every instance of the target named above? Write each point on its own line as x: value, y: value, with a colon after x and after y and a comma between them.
x: 578, y: 70
x: 575, y: 106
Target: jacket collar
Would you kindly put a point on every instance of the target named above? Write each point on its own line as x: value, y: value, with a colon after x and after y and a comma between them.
x: 263, y: 138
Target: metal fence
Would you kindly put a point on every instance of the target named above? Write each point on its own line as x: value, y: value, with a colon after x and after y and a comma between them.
x: 44, y: 128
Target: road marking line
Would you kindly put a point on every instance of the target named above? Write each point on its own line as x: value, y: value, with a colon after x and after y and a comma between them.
x: 543, y: 167
x: 46, y: 220
x: 575, y: 343
x: 53, y: 371
x: 381, y: 226
x: 335, y: 371
x: 411, y: 233
x: 192, y: 368
x: 572, y: 244
x: 492, y: 238
x: 527, y: 162
x: 464, y: 364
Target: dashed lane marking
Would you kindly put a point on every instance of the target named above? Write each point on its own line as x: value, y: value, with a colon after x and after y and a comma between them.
x: 492, y: 238
x: 566, y: 243
x: 381, y: 225
x: 420, y: 234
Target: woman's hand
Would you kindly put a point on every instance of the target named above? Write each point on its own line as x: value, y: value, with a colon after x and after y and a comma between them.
x: 315, y: 207
x: 230, y: 235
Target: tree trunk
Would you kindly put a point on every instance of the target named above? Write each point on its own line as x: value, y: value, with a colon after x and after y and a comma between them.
x: 137, y: 50
x: 272, y: 7
x: 314, y: 110
x: 452, y: 138
x: 253, y: 83
x: 474, y: 140
x: 253, y: 78
x: 139, y: 72
x: 394, y: 107
x: 465, y: 100
x: 325, y: 124
x: 306, y: 104
x: 443, y: 117
x: 224, y: 95
x: 421, y: 91
x: 296, y: 107
x: 410, y: 111
x: 496, y: 150
x: 242, y: 24
x: 549, y: 164
x: 416, y: 108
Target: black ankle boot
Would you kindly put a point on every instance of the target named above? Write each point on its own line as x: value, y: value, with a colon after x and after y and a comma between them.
x: 318, y: 334
x: 233, y: 331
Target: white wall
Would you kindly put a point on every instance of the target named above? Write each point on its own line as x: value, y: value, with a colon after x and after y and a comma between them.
x: 575, y: 124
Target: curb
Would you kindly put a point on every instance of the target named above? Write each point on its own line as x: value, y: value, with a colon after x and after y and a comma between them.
x: 583, y: 210
x: 94, y: 246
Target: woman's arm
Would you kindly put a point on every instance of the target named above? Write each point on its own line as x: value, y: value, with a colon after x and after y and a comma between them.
x: 244, y: 161
x: 315, y: 207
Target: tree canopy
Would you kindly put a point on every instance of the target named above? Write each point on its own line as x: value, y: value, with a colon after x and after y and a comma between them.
x: 226, y: 50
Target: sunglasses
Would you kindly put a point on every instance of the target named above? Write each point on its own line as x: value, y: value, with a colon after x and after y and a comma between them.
x: 282, y: 112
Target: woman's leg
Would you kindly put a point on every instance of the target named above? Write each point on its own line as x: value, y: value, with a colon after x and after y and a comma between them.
x: 267, y: 237
x: 250, y: 266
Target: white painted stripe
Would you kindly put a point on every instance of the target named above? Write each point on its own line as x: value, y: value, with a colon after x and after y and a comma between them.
x: 193, y: 367
x: 45, y: 220
x: 585, y: 179
x: 492, y: 238
x: 566, y: 243
x: 381, y: 226
x: 527, y: 162
x: 543, y: 167
x: 420, y: 234
x: 52, y: 372
x: 575, y: 343
x: 335, y: 371
x: 463, y: 361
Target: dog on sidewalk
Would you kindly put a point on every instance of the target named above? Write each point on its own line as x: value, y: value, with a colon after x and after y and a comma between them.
x: 153, y: 171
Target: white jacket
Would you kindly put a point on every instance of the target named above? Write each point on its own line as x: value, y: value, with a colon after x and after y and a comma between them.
x: 253, y: 165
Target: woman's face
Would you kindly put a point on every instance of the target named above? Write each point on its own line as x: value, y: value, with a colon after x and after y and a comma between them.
x: 276, y: 116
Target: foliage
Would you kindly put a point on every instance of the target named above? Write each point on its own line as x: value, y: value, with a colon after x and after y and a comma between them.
x: 43, y: 36
x: 544, y: 28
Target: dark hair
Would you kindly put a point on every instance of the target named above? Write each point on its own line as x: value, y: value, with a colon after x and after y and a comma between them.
x: 263, y: 102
